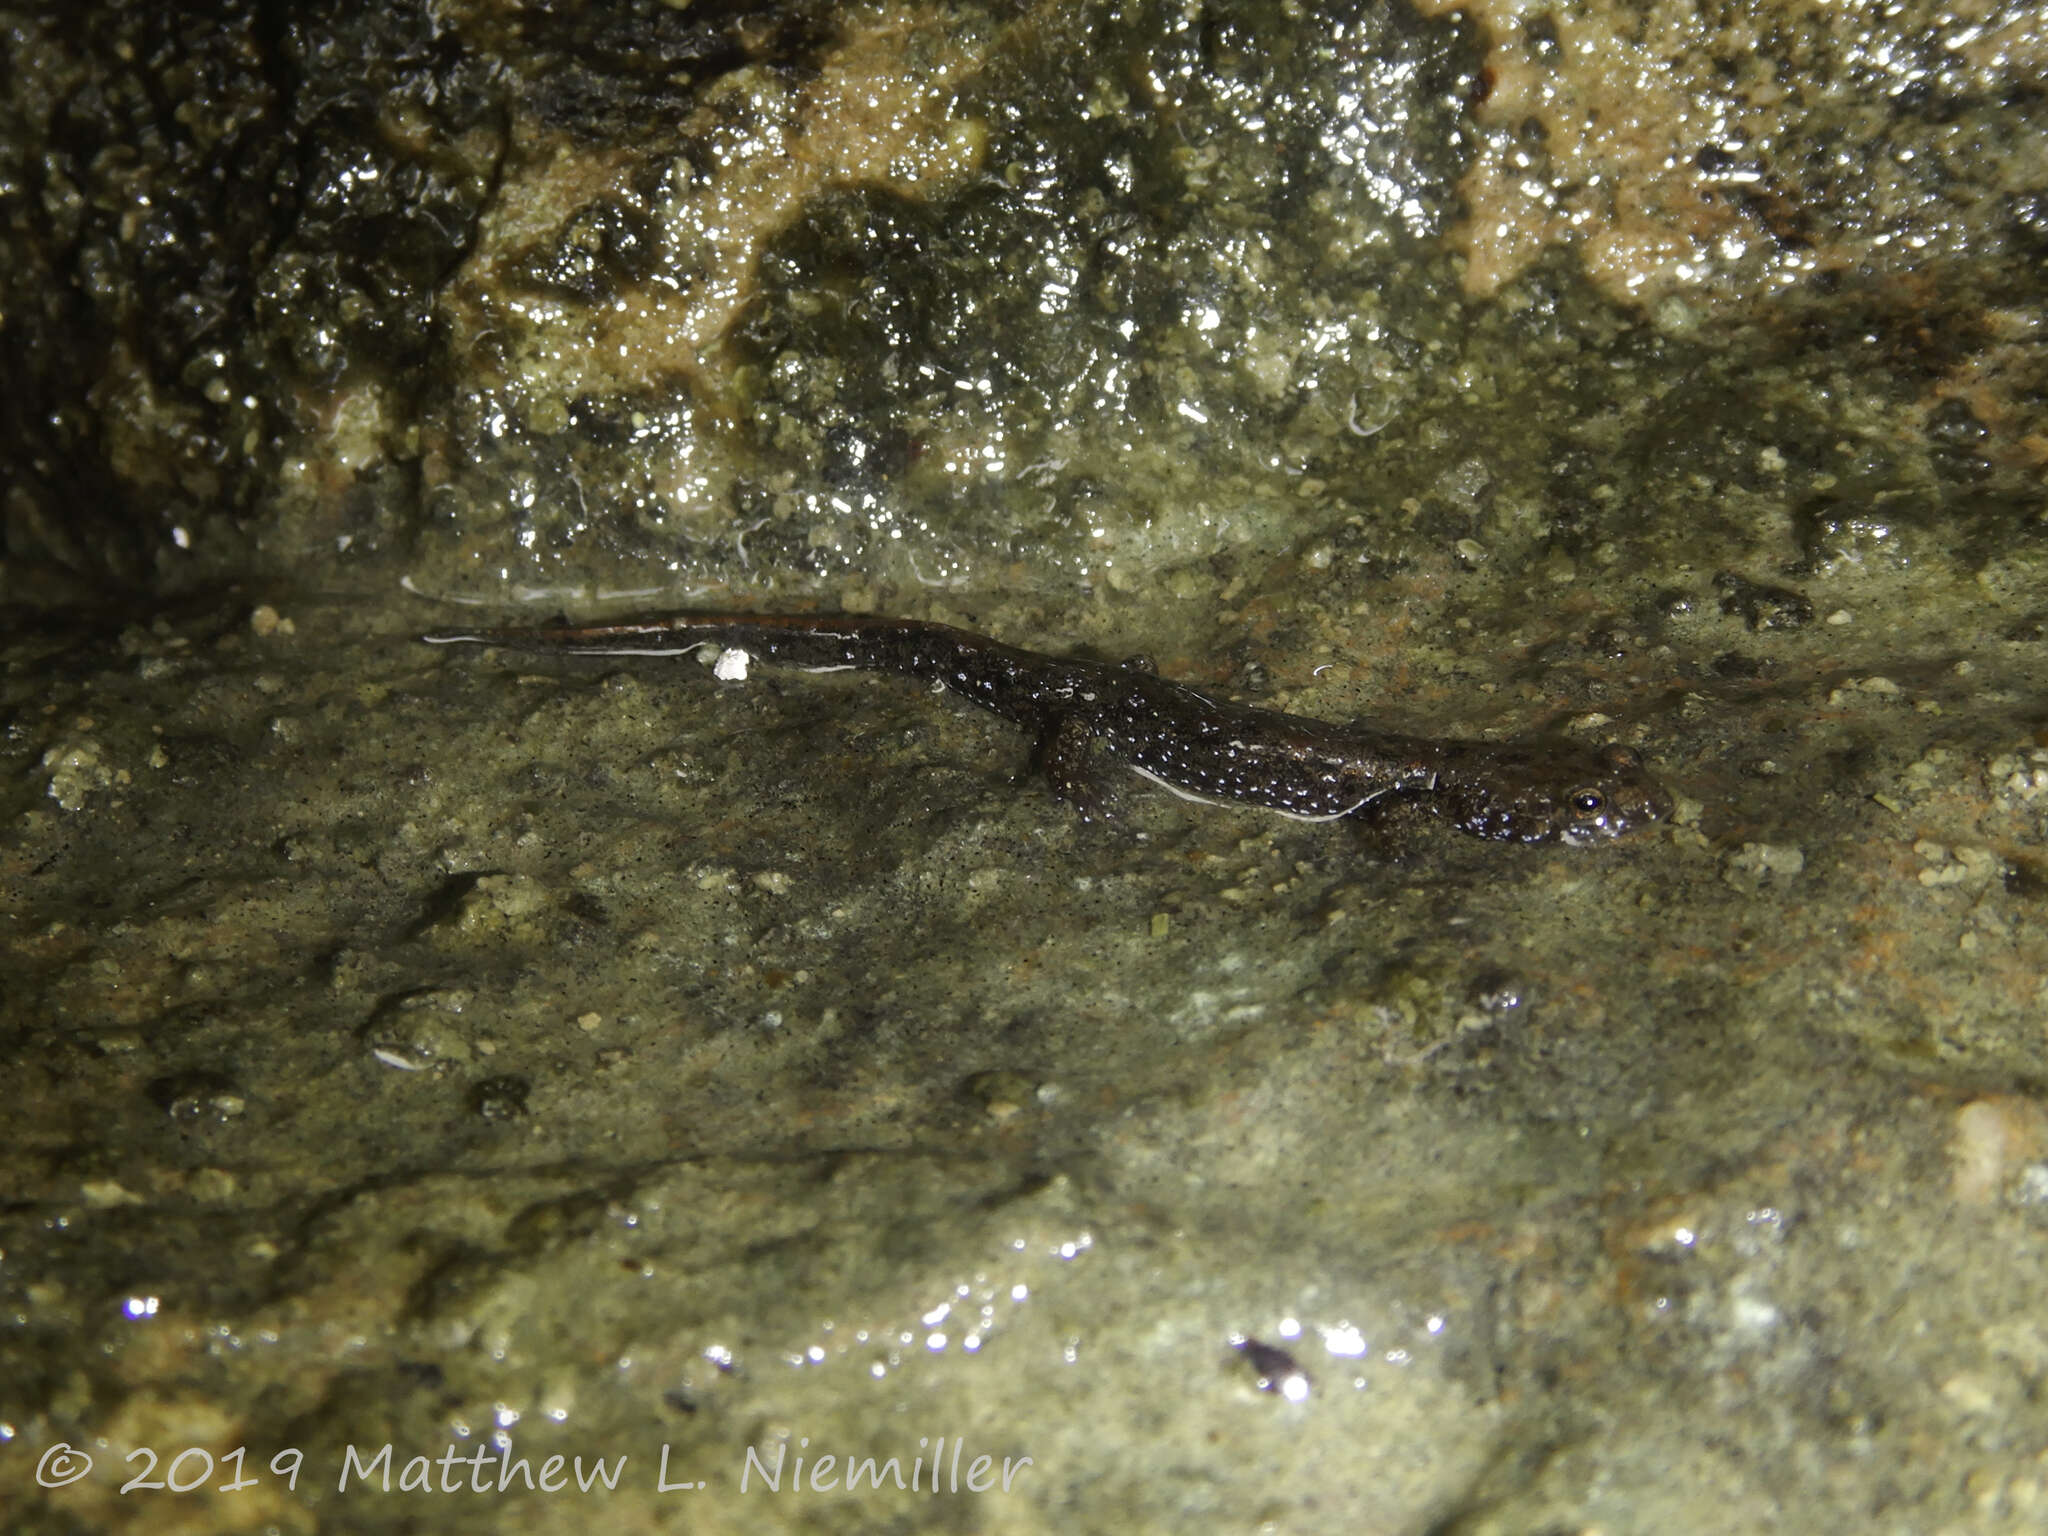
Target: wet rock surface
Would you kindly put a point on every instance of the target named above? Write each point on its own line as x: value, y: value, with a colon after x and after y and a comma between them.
x: 488, y: 1055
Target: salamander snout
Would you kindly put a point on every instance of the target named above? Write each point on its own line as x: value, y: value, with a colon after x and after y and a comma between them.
x: 1552, y: 792
x: 1618, y: 798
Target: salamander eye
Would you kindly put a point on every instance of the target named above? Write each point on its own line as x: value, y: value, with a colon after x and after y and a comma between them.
x: 1589, y: 802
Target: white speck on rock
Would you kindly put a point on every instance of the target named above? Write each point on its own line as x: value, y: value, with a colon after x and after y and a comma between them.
x: 75, y: 771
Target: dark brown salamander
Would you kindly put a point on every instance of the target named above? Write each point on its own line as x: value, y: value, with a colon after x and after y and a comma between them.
x: 1193, y: 743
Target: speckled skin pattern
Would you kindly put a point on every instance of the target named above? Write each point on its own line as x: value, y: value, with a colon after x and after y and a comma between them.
x: 1093, y: 715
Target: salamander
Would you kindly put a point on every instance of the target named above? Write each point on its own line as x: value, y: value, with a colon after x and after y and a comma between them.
x: 1089, y: 715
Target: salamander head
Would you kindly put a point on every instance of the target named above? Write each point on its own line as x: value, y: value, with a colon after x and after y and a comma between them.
x: 1547, y: 792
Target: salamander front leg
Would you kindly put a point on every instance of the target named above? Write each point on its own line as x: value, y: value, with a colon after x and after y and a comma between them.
x: 1071, y: 757
x: 1387, y: 826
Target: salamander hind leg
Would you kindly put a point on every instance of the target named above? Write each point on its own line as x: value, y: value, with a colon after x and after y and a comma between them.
x: 1072, y: 759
